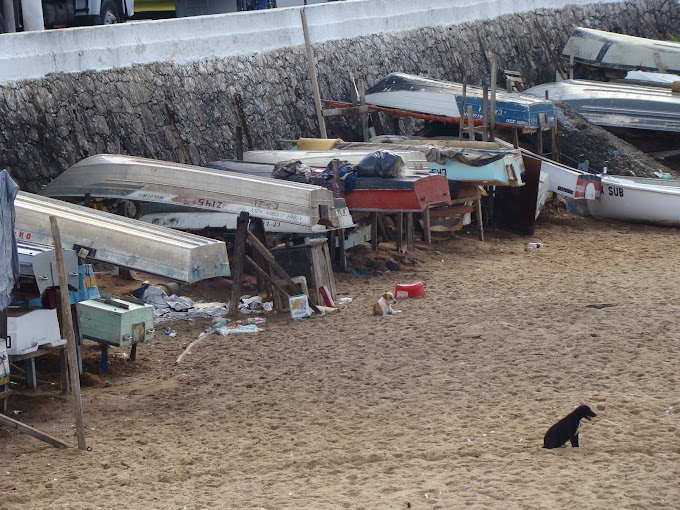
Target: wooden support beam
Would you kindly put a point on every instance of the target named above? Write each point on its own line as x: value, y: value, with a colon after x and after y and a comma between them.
x: 470, y: 124
x: 410, y: 232
x: 374, y: 231
x: 515, y: 138
x: 341, y: 248
x: 238, y: 257
x: 311, y: 69
x: 332, y: 112
x: 25, y: 429
x: 463, y: 99
x: 264, y: 251
x: 400, y: 231
x: 261, y: 272
x: 485, y: 114
x: 71, y: 353
x: 362, y: 103
x: 571, y: 59
x: 427, y: 234
x: 480, y: 218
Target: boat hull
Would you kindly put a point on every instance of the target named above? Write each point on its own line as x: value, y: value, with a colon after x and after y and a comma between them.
x: 638, y: 200
x: 426, y: 191
x: 184, y: 186
x: 434, y: 97
x: 617, y: 104
x: 608, y: 50
x: 121, y: 241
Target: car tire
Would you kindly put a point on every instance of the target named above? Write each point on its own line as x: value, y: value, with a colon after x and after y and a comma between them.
x: 109, y: 14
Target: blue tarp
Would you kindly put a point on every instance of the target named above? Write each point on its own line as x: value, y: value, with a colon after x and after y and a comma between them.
x: 9, y: 257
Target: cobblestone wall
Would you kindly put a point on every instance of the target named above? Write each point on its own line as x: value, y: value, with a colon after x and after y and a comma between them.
x: 188, y: 113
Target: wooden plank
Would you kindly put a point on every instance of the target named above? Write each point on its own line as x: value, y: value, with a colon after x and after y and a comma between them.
x: 515, y: 138
x: 71, y: 354
x: 374, y: 231
x: 463, y: 99
x: 276, y: 267
x: 341, y: 249
x: 410, y: 231
x: 400, y: 231
x: 470, y: 124
x: 364, y: 116
x: 26, y: 429
x: 349, y: 110
x: 311, y: 69
x: 480, y: 219
x: 452, y: 211
x: 238, y: 257
x: 265, y: 276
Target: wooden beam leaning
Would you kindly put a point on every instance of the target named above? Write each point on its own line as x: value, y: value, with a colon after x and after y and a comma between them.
x: 311, y: 68
x: 25, y: 429
x: 67, y: 318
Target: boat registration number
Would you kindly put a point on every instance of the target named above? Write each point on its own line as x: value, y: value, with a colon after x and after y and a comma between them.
x: 614, y: 191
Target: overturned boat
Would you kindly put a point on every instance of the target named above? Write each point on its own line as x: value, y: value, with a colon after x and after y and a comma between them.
x: 619, y: 52
x: 444, y: 99
x: 169, y: 193
x: 124, y: 242
x: 617, y: 104
x: 484, y: 167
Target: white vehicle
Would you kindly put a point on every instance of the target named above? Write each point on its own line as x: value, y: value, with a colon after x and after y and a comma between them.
x: 68, y: 13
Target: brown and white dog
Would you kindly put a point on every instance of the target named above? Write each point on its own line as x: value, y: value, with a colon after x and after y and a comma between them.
x: 384, y: 305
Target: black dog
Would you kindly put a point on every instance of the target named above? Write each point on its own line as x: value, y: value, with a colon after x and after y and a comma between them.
x: 567, y: 428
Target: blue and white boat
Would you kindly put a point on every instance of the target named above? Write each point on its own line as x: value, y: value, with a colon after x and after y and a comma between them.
x: 444, y: 99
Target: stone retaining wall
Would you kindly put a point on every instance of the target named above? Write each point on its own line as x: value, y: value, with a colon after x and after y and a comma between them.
x: 188, y: 112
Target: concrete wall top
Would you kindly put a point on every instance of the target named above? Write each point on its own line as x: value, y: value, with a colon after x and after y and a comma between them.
x: 30, y: 55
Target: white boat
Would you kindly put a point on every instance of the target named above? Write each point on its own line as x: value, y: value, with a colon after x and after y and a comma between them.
x: 160, y: 187
x: 639, y: 200
x: 564, y: 180
x: 608, y: 50
x: 121, y: 241
x: 617, y: 104
x: 445, y: 99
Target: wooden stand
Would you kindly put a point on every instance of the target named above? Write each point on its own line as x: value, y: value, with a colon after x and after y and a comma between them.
x: 268, y: 273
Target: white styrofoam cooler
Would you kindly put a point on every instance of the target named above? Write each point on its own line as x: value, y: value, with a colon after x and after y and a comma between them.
x: 33, y: 330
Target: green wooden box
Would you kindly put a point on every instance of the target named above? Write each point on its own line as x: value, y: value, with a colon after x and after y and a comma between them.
x: 115, y: 322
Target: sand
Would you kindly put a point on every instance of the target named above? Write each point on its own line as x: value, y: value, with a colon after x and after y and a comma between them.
x: 443, y: 406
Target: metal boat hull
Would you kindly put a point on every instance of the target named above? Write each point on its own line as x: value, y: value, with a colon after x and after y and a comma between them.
x: 617, y: 104
x: 184, y: 186
x: 121, y: 241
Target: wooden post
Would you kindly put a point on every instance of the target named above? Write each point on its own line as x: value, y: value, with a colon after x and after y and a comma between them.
x: 492, y: 120
x: 311, y: 68
x: 571, y: 59
x: 341, y: 249
x: 400, y: 231
x: 238, y: 139
x: 364, y: 116
x: 485, y: 114
x: 480, y: 218
x: 238, y: 257
x: 374, y: 231
x: 471, y: 124
x: 427, y: 235
x: 515, y: 138
x: 553, y: 143
x: 71, y: 354
x: 25, y: 429
x: 409, y: 231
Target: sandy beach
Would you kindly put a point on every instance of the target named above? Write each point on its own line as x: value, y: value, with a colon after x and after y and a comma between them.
x: 442, y: 406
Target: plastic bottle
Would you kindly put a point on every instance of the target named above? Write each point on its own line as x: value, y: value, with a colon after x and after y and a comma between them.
x: 533, y: 246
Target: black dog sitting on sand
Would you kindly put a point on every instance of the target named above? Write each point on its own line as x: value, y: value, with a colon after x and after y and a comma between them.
x: 567, y: 428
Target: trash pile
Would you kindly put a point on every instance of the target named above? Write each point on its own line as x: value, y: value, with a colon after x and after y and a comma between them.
x: 173, y: 307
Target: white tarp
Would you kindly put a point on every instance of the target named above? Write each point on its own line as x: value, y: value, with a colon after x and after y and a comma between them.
x: 9, y: 258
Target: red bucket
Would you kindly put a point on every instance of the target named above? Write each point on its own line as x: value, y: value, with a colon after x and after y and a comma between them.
x: 409, y: 290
